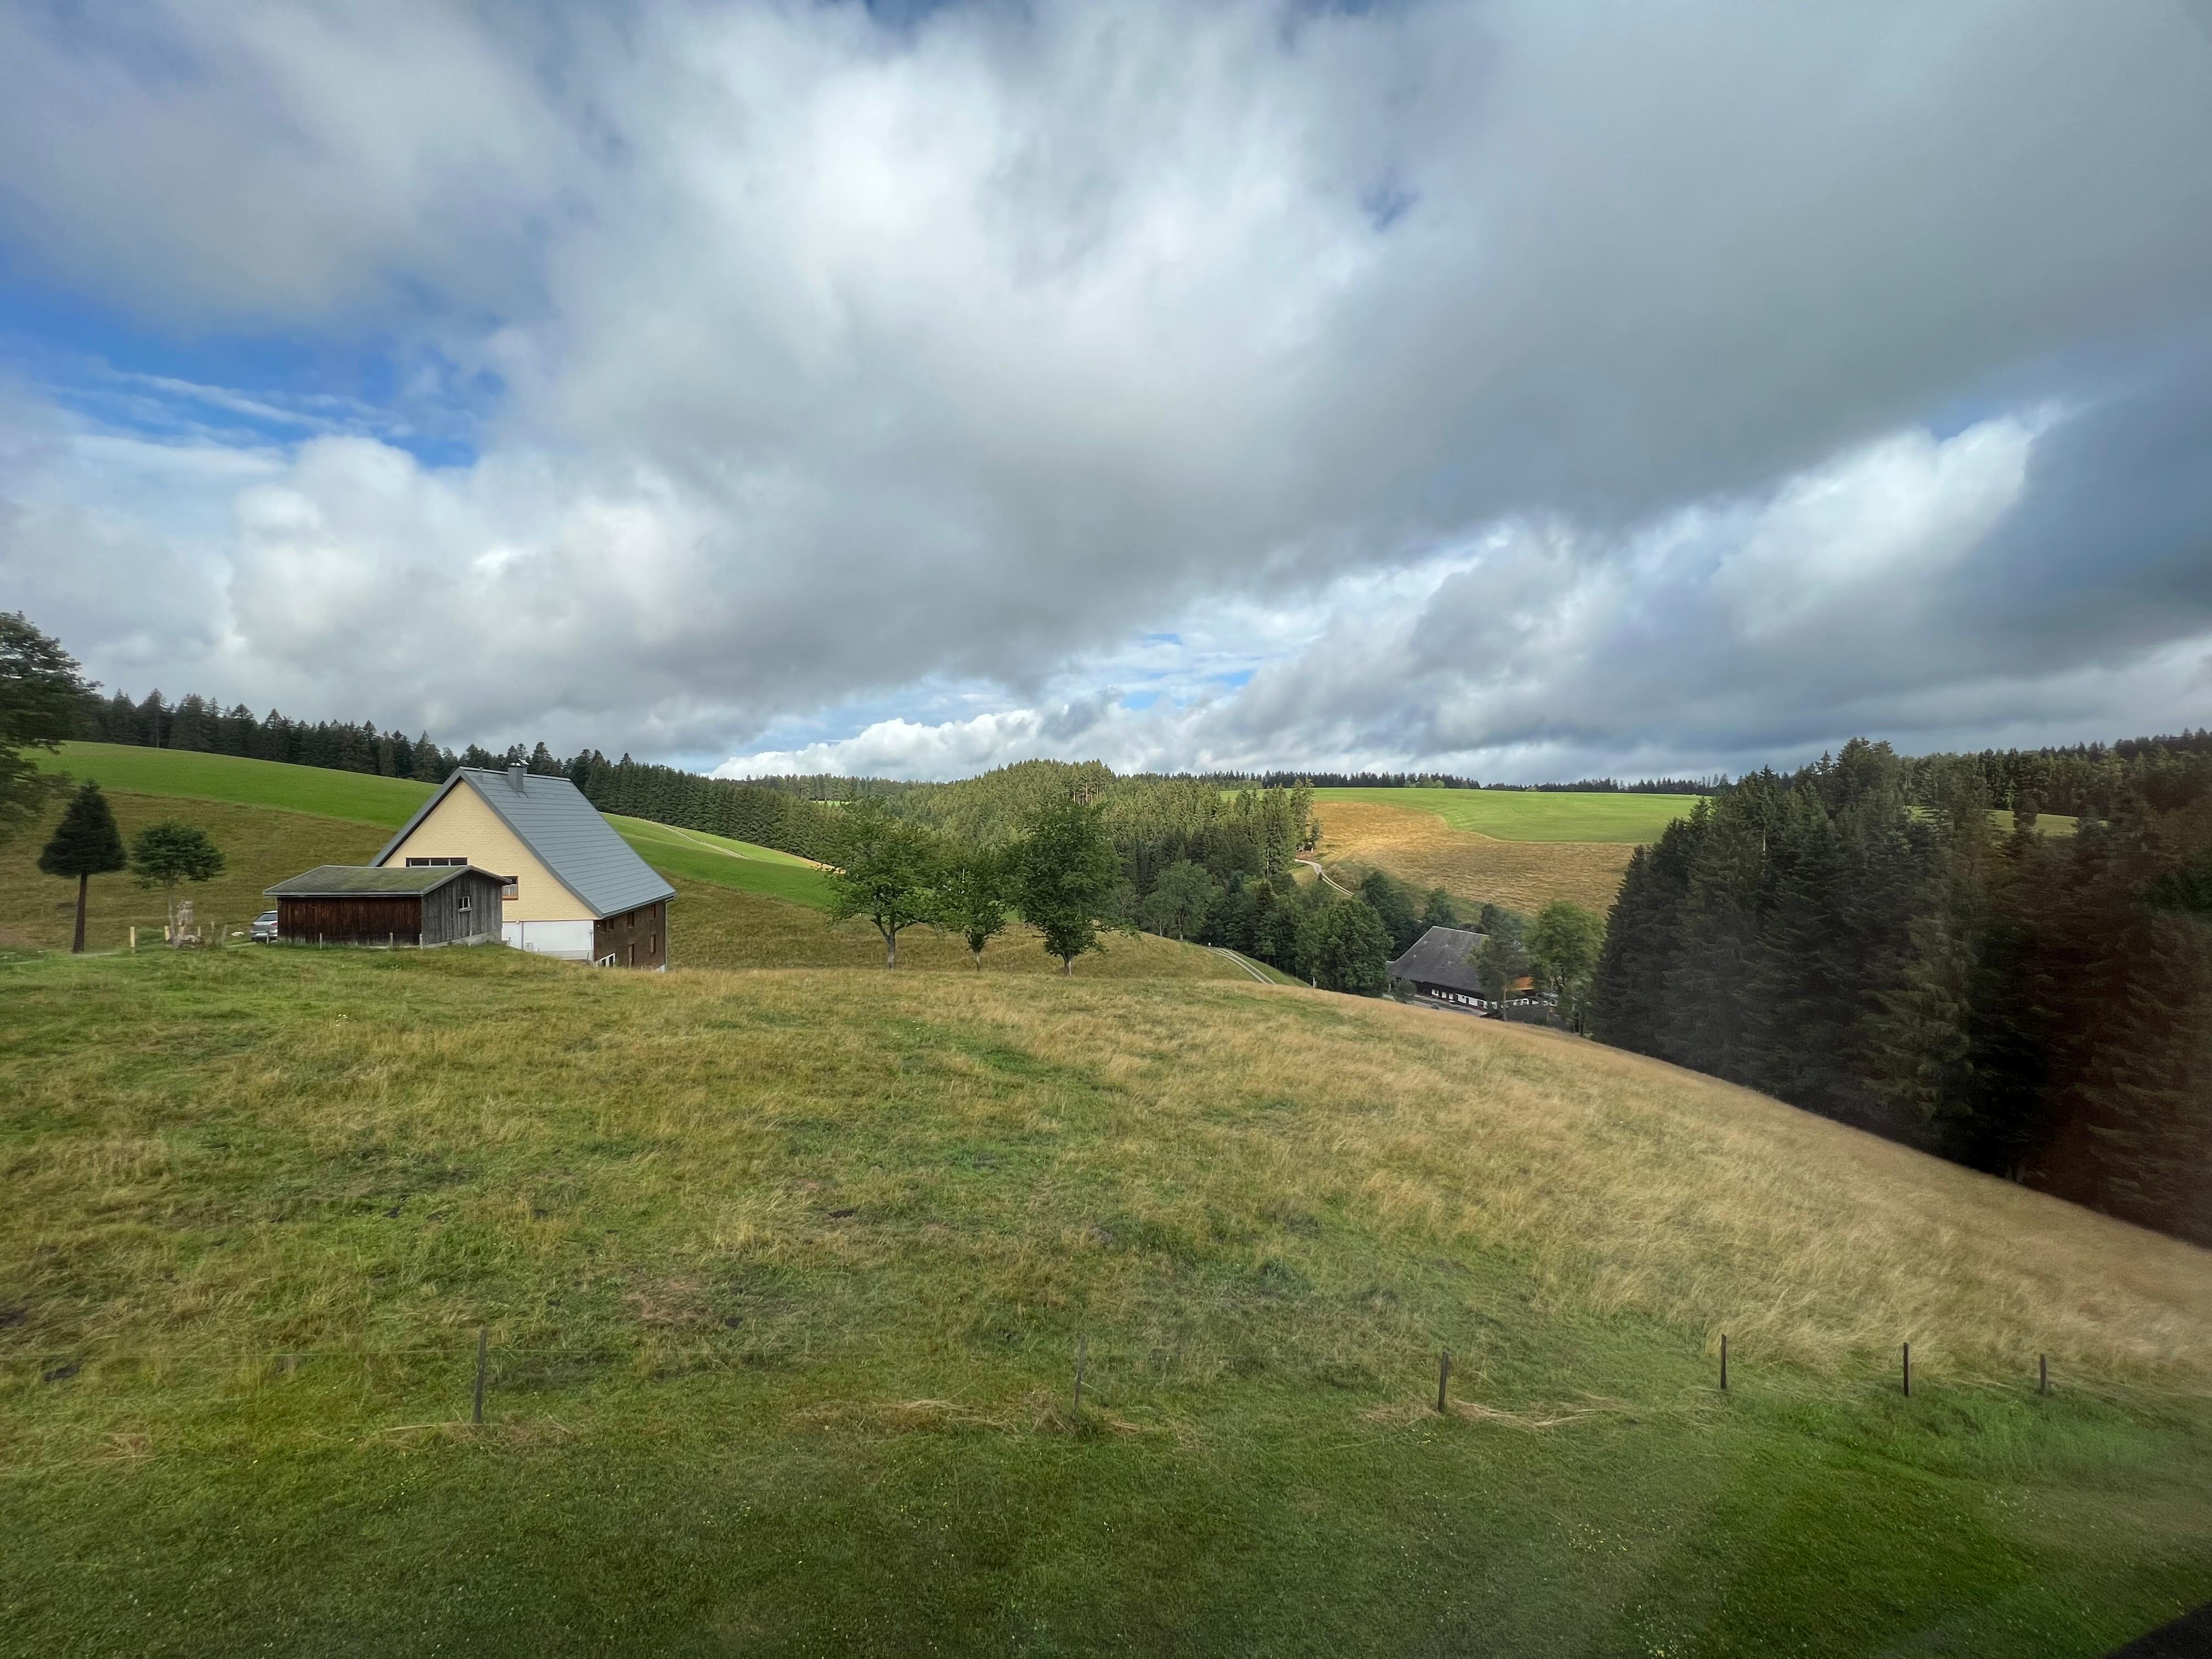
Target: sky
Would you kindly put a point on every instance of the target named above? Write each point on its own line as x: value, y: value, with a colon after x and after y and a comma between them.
x: 1522, y: 391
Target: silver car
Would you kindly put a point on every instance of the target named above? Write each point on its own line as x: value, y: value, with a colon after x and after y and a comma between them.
x: 265, y: 928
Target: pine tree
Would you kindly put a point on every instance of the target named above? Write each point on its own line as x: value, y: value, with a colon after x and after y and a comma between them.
x: 85, y: 844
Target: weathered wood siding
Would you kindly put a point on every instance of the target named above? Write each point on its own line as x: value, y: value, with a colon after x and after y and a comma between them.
x: 636, y: 939
x: 358, y: 919
x: 445, y: 922
x: 436, y: 918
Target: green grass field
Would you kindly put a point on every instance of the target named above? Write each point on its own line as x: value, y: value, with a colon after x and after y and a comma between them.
x: 387, y: 803
x: 737, y: 905
x: 1530, y: 815
x: 352, y: 796
x: 784, y: 1275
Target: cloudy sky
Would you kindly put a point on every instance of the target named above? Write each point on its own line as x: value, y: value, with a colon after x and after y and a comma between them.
x: 1526, y: 391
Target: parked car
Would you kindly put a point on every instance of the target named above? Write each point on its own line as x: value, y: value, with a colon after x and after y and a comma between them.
x: 265, y: 928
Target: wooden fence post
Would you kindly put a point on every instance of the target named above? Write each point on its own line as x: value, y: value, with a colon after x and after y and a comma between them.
x: 1908, y: 1370
x: 1723, y: 1362
x: 484, y: 1339
x: 1443, y: 1376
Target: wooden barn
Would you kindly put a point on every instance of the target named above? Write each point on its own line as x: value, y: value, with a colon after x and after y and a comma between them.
x: 354, y: 904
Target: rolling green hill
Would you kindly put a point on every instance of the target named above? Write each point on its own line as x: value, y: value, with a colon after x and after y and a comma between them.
x: 352, y: 796
x: 783, y: 1276
x: 1528, y: 814
x: 387, y: 803
x: 737, y: 905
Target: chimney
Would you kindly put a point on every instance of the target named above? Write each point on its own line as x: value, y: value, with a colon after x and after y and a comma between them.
x: 515, y: 774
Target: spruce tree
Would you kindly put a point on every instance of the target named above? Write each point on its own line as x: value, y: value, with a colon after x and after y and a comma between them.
x: 85, y: 844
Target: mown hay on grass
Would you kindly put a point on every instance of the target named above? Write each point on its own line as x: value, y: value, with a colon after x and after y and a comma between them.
x: 1421, y: 848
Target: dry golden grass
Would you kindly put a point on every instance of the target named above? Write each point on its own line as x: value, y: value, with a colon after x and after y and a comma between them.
x: 1420, y: 847
x: 799, y: 1124
x: 815, y: 1249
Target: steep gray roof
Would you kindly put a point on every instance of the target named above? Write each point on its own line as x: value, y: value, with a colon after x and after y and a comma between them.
x: 1441, y: 957
x: 565, y: 830
x: 342, y: 880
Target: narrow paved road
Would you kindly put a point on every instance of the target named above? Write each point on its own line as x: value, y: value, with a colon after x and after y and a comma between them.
x: 1314, y: 865
x: 1241, y: 963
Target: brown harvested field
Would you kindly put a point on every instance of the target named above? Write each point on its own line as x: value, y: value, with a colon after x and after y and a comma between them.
x: 1420, y: 847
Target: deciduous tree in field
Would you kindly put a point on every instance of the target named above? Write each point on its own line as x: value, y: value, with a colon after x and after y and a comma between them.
x: 886, y: 869
x: 85, y: 844
x: 41, y: 699
x: 1563, y: 951
x: 1182, y: 900
x: 168, y: 854
x: 1065, y: 870
x: 973, y: 897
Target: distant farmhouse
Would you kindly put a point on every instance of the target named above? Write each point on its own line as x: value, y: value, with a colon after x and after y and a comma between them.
x: 575, y: 889
x: 508, y: 855
x: 1440, y: 966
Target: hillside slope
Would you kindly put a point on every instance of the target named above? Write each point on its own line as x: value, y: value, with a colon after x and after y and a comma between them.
x: 784, y: 1275
x: 1421, y: 848
x: 737, y: 905
x: 387, y: 803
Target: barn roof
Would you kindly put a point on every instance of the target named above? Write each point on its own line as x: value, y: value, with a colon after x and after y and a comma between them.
x: 1442, y: 956
x: 355, y: 880
x: 553, y: 820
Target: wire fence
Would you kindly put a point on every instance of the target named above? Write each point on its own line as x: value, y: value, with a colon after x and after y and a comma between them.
x: 1094, y: 1371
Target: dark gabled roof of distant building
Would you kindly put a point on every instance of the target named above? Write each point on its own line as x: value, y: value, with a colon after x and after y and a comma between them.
x: 553, y: 820
x: 1442, y: 956
x: 352, y: 880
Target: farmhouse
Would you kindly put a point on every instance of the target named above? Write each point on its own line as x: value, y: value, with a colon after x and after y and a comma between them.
x: 577, y: 890
x: 350, y: 904
x: 1440, y: 965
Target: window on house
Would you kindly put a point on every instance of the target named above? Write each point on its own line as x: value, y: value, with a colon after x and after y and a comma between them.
x: 434, y: 864
x: 463, y: 905
x: 510, y: 891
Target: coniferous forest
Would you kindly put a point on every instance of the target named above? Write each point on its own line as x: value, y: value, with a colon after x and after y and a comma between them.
x: 1860, y: 940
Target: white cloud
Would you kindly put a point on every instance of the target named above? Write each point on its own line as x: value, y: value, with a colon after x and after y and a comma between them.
x: 1481, y: 382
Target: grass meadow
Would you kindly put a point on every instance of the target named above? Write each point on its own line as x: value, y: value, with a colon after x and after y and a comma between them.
x: 1527, y: 814
x: 754, y: 909
x: 353, y: 796
x: 784, y: 1271
x: 1519, y: 848
x: 1420, y: 847
x: 182, y: 783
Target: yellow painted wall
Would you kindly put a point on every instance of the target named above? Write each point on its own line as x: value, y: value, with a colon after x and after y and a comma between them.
x: 461, y: 826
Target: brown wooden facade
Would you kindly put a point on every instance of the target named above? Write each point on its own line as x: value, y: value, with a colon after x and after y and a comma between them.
x: 465, y: 910
x: 635, y: 938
